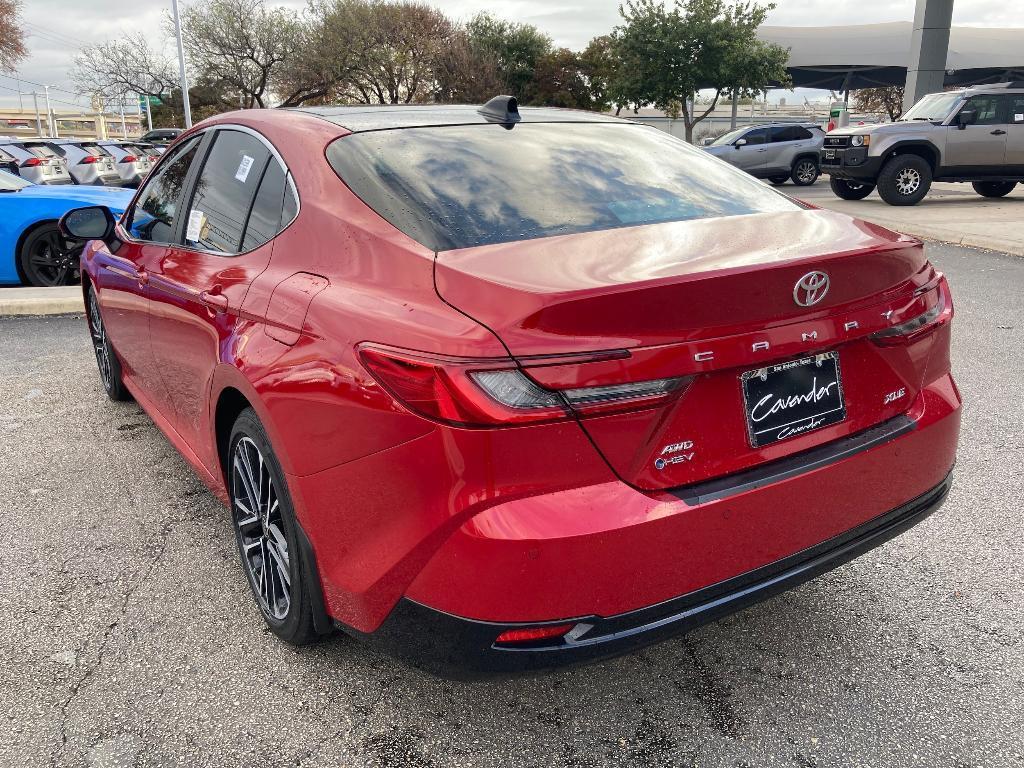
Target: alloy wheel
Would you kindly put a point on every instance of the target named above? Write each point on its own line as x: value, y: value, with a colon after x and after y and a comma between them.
x: 908, y: 181
x: 51, y: 259
x: 806, y: 171
x: 99, y: 340
x: 257, y: 516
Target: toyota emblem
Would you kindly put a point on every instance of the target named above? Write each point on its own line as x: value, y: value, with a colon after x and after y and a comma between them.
x: 810, y: 289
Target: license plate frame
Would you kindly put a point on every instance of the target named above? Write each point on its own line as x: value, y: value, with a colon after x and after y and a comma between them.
x: 830, y: 154
x: 794, y: 398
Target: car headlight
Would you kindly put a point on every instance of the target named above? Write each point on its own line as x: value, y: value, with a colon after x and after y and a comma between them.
x: 860, y: 141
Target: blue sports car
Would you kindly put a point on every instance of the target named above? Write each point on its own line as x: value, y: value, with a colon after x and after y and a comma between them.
x: 32, y: 251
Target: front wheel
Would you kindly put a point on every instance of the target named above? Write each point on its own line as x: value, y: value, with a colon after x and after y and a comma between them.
x: 805, y: 172
x: 265, y: 529
x: 46, y: 259
x: 850, y: 190
x: 994, y: 188
x: 905, y: 180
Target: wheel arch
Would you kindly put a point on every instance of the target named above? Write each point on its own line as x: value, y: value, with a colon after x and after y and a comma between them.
x: 923, y: 149
x: 812, y: 156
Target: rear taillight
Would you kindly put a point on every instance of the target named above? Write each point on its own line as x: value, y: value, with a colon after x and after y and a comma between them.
x: 32, y: 162
x: 938, y: 311
x: 475, y: 392
x: 153, y: 158
x: 88, y: 160
x: 129, y: 159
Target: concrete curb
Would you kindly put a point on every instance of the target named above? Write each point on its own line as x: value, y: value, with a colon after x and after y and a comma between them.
x: 41, y: 301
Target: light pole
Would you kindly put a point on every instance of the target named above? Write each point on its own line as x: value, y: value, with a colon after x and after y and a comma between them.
x: 181, y: 66
x: 49, y: 114
x: 39, y: 120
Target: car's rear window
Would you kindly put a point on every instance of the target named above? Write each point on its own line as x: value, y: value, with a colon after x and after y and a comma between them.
x: 461, y: 186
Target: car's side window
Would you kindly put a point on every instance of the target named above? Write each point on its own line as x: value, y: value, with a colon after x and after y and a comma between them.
x: 156, y: 212
x: 225, y: 191
x: 1015, y: 109
x: 987, y: 107
x: 781, y: 133
x: 266, y: 217
x: 760, y: 136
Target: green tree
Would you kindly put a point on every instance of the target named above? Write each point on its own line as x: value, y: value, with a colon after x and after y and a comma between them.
x: 515, y: 49
x: 668, y: 54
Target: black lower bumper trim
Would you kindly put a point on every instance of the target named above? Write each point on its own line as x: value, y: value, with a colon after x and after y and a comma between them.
x: 458, y: 647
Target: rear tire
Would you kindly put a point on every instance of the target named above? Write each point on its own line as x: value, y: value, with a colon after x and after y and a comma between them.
x: 778, y: 181
x: 905, y: 180
x: 266, y: 532
x: 994, y: 188
x: 850, y: 190
x: 805, y: 172
x: 106, y: 358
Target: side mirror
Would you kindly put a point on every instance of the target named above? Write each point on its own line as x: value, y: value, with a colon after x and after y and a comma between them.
x: 93, y: 223
x: 966, y: 117
x: 707, y: 141
x: 739, y: 143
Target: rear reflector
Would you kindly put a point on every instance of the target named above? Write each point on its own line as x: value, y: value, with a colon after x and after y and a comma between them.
x: 532, y: 634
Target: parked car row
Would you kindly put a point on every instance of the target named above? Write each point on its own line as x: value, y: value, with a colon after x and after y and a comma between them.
x: 107, y: 163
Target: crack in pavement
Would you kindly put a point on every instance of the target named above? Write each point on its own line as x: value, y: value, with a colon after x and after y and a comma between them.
x: 90, y: 669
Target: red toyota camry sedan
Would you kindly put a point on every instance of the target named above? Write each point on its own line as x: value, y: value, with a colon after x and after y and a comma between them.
x: 500, y: 389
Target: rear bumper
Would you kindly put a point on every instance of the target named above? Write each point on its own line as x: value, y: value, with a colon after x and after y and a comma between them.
x: 455, y: 646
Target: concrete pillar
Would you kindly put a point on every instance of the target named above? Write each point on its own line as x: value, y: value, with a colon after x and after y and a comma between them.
x: 929, y: 46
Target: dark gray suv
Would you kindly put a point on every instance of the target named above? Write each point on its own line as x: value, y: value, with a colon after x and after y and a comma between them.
x: 777, y: 152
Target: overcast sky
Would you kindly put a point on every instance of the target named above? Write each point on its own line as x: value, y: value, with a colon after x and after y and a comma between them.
x: 57, y: 29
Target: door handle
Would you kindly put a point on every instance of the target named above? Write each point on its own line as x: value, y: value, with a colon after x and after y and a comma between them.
x: 215, y: 301
x: 998, y: 132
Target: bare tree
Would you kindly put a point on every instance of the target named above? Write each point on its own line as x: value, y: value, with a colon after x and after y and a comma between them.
x: 129, y: 64
x: 12, y: 36
x: 240, y: 45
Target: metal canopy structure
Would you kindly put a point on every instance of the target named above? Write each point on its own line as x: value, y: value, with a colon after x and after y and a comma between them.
x: 872, y: 55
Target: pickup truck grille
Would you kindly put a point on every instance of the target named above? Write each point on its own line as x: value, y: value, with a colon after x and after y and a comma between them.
x: 837, y: 141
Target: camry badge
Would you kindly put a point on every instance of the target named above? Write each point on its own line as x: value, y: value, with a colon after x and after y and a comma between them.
x: 810, y: 289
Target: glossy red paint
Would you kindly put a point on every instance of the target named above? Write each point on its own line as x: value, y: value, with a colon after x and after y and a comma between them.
x: 539, y: 522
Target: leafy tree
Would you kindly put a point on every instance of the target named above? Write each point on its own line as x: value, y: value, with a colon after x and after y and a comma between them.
x: 667, y: 54
x: 12, y: 35
x: 378, y: 51
x: 559, y: 80
x: 598, y: 62
x: 514, y: 48
x: 464, y: 74
x: 887, y: 99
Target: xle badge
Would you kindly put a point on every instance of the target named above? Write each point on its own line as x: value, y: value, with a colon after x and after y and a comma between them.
x: 675, y: 453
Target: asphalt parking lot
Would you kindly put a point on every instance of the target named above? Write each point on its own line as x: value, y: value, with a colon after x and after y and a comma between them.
x: 128, y: 637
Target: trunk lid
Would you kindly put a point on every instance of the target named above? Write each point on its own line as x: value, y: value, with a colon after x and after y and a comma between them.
x: 708, y: 300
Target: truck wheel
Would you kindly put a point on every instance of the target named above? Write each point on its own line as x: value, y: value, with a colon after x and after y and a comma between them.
x: 805, y: 172
x: 905, y: 180
x: 850, y: 190
x: 994, y: 188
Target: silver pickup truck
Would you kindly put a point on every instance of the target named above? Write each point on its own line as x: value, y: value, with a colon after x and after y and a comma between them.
x: 974, y: 134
